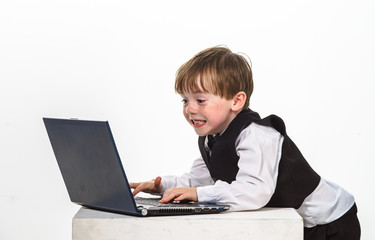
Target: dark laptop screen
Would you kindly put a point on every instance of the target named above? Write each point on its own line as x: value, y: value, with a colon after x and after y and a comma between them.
x: 90, y: 165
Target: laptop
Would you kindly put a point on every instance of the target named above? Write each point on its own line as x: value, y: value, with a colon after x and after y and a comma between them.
x: 94, y: 176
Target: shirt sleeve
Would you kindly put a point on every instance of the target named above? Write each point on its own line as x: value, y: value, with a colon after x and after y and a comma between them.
x: 198, y: 176
x: 259, y: 151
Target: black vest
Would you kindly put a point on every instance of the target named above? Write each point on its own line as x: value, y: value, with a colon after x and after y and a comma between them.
x: 296, y: 179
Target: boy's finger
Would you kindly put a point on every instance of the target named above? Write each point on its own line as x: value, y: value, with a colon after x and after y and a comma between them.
x: 157, y: 182
x: 133, y: 185
x: 169, y: 196
x: 179, y: 198
x: 136, y: 191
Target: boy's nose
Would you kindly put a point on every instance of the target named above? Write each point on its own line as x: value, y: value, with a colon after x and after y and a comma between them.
x: 190, y: 109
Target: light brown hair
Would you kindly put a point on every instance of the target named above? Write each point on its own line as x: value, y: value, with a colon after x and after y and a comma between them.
x: 216, y: 70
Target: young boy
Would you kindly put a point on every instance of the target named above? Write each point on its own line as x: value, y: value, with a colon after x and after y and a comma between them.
x: 246, y: 161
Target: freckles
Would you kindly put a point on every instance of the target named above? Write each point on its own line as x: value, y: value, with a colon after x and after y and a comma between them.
x: 216, y: 107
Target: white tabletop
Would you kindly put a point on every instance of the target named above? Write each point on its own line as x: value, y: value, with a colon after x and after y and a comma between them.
x: 266, y: 223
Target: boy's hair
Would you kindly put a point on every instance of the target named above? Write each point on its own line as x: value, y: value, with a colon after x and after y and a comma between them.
x: 218, y: 71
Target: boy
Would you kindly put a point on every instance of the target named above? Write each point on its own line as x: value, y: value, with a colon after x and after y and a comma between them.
x: 246, y: 161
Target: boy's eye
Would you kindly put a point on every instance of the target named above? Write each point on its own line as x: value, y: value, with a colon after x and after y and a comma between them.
x: 200, y: 101
x: 184, y: 101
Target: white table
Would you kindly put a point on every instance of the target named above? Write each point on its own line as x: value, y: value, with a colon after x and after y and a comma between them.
x: 266, y: 223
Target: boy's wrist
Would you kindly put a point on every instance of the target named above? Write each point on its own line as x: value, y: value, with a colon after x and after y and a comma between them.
x: 166, y: 184
x: 206, y: 194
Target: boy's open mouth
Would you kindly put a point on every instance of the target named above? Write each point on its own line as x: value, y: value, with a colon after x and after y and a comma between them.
x: 198, y: 123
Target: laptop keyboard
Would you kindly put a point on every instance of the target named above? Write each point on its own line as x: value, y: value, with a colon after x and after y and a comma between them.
x: 156, y: 203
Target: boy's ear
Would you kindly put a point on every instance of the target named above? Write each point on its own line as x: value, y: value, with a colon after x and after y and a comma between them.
x: 239, y: 101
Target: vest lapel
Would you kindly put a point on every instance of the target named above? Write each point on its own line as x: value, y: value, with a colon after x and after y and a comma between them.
x: 203, y: 150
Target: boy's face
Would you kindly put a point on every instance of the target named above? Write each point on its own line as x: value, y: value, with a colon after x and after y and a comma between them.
x: 207, y: 113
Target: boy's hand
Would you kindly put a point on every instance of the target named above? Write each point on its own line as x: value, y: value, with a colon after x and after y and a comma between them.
x: 179, y: 194
x: 153, y: 186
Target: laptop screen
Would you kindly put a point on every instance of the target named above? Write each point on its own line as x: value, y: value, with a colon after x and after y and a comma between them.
x: 90, y: 164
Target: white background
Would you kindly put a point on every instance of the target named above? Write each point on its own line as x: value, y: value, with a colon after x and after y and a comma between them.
x: 313, y: 64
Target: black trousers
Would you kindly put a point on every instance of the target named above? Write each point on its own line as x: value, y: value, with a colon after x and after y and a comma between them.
x: 346, y: 227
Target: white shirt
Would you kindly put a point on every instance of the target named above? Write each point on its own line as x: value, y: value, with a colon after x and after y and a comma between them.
x: 259, y: 150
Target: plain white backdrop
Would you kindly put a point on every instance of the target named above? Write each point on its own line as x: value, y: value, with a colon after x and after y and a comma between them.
x: 313, y: 65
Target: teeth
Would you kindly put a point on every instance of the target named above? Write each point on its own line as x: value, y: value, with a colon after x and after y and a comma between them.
x: 198, y: 121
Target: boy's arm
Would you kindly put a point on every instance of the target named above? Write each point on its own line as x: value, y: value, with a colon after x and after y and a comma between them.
x: 197, y: 176
x: 259, y: 149
x: 184, y: 187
